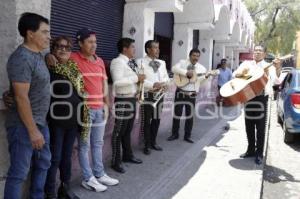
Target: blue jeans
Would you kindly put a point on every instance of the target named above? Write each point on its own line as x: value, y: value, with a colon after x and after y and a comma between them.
x: 22, y: 156
x: 95, y: 142
x: 61, y: 145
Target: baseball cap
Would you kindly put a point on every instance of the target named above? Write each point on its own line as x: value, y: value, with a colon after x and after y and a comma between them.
x: 84, y: 33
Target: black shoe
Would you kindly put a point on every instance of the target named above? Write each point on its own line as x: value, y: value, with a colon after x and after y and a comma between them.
x: 50, y: 196
x: 147, y: 151
x: 156, y: 147
x: 189, y: 140
x: 173, y: 137
x: 118, y: 168
x: 227, y: 127
x: 247, y: 155
x: 62, y: 192
x: 133, y: 160
x: 258, y: 160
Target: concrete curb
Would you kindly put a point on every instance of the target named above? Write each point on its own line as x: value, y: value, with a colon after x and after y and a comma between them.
x: 266, y: 144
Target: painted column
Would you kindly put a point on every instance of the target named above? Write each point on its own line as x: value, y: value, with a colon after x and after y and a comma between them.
x: 229, y: 56
x: 236, y: 59
x: 219, y: 53
x: 138, y: 25
x: 206, y: 48
x: 182, y: 43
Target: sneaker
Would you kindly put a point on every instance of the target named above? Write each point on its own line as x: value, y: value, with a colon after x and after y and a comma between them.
x: 108, y: 180
x: 93, y: 185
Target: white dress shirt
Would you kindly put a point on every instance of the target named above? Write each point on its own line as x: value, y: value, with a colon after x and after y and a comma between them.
x: 152, y: 77
x: 124, y: 78
x: 252, y: 65
x: 181, y: 69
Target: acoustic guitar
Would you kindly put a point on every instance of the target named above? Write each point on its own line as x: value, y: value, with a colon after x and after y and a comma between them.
x: 183, y: 80
x: 242, y: 89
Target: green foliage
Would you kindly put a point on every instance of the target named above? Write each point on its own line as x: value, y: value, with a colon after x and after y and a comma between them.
x: 276, y: 23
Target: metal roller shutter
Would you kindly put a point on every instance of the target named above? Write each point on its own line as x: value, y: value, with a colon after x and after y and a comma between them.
x: 105, y: 17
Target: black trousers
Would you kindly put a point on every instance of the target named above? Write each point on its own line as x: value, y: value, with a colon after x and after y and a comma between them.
x: 255, y: 120
x: 151, y: 119
x: 181, y: 101
x: 125, y: 110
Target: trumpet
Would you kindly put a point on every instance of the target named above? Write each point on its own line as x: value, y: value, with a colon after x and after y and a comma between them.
x: 158, y: 95
x: 141, y: 97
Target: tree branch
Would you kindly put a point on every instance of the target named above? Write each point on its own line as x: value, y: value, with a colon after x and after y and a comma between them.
x: 255, y: 13
x: 270, y: 35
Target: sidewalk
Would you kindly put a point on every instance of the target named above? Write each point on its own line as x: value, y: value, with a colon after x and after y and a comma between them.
x: 223, y: 175
x: 209, y: 168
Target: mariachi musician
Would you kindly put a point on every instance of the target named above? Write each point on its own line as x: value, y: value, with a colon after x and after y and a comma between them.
x: 125, y: 76
x: 186, y: 96
x: 256, y: 108
x: 155, y: 85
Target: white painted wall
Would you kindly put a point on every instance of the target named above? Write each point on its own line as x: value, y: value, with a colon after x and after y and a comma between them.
x: 196, y: 11
x: 141, y: 14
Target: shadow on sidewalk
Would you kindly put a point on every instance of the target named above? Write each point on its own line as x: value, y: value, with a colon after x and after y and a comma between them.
x: 244, y: 164
x: 225, y: 129
x: 182, y: 180
x: 276, y: 175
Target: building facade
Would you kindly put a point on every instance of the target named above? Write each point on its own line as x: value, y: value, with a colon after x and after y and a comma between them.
x: 219, y: 28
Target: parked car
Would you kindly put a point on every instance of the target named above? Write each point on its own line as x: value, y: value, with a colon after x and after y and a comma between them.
x: 283, y: 73
x: 288, y: 105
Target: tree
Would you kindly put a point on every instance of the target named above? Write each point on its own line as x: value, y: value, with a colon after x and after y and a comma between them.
x: 277, y: 22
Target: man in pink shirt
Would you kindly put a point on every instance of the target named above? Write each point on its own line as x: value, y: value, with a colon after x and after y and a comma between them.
x: 94, y: 76
x: 95, y: 83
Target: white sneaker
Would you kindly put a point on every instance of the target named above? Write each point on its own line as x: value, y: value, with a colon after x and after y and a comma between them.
x: 108, y: 180
x: 93, y: 185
